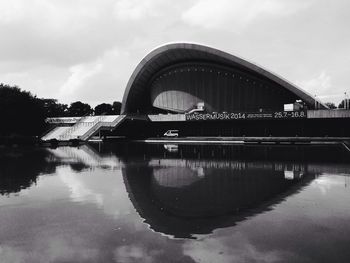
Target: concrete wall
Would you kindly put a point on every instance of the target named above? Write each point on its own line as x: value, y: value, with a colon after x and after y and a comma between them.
x: 167, y: 117
x: 315, y: 114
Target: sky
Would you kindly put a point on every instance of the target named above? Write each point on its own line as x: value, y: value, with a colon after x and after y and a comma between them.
x: 87, y: 49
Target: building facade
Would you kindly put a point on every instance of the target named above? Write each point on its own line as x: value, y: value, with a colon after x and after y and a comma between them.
x: 176, y: 77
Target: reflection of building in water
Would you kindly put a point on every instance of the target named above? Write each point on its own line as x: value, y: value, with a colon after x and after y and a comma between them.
x: 219, y: 192
x: 194, y: 190
x: 171, y: 147
x: 202, y: 188
x: 85, y: 156
x: 228, y: 164
x: 182, y: 201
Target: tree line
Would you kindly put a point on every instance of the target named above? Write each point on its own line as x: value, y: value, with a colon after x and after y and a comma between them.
x: 54, y: 109
x: 22, y: 113
x: 345, y: 103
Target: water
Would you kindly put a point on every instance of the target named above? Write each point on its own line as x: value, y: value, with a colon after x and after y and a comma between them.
x: 174, y: 203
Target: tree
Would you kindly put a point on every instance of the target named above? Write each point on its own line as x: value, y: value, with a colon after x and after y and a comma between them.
x: 103, y: 108
x: 117, y: 106
x: 53, y: 108
x: 344, y: 104
x: 21, y: 113
x: 331, y: 105
x: 78, y: 108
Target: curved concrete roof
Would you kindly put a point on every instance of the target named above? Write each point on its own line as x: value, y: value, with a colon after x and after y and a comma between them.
x: 170, y: 54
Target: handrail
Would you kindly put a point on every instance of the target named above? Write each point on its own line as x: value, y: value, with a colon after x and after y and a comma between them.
x: 48, y: 132
x: 74, y: 127
x: 98, y: 125
x: 346, y: 146
x: 97, y: 121
x: 91, y: 131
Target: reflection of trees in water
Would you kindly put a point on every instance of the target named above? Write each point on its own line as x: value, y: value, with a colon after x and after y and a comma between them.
x: 20, y: 168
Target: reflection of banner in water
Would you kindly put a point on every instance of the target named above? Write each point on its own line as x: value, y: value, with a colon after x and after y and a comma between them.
x: 245, y: 115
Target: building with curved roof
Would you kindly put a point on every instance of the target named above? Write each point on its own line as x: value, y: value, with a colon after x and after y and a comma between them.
x: 176, y: 77
x: 191, y: 90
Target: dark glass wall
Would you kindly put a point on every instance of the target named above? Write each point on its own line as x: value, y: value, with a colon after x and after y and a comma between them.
x: 180, y: 87
x: 249, y: 128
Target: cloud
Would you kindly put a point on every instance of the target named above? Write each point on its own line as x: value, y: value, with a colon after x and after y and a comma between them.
x: 41, y: 80
x: 78, y: 190
x: 222, y: 250
x: 236, y: 14
x: 87, y: 45
x: 135, y: 253
x: 11, y: 11
x: 68, y: 49
x: 86, y: 189
x: 66, y: 248
x: 9, y: 254
x: 102, y: 80
x: 80, y: 74
x: 59, y: 248
x: 321, y: 86
x: 136, y: 10
x: 325, y: 184
x: 55, y: 32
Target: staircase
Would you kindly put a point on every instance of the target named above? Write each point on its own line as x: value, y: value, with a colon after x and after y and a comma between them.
x: 104, y: 123
x: 53, y: 134
x: 84, y: 128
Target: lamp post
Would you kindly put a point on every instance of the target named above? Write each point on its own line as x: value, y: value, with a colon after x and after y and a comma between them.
x: 315, y: 102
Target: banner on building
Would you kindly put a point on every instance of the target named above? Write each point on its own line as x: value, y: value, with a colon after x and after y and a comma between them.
x: 245, y: 115
x: 62, y: 120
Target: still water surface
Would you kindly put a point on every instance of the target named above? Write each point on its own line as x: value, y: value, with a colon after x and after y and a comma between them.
x: 167, y: 203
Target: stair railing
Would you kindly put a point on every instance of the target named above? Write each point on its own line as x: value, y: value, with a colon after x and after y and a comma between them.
x: 73, y: 128
x: 94, y: 123
x: 101, y: 124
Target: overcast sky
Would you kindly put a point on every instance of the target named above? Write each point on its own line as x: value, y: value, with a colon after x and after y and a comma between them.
x: 87, y: 49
